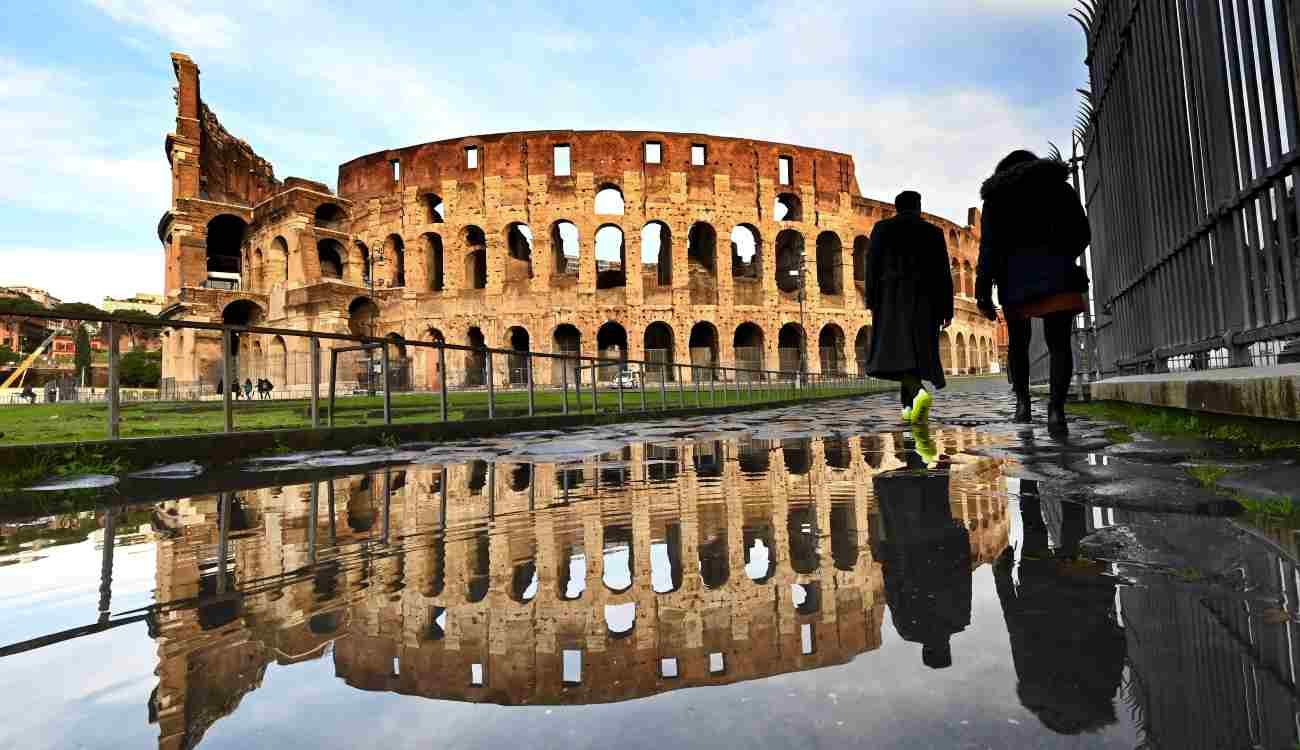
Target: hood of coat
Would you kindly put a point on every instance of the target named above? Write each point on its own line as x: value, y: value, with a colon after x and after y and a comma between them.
x: 1026, y: 174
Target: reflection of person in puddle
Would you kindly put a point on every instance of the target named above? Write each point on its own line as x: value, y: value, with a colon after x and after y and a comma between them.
x: 926, y: 556
x: 1060, y: 610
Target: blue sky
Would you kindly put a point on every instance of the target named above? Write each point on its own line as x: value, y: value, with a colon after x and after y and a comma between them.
x: 926, y: 96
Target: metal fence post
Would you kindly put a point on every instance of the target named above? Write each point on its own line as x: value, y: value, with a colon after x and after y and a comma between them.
x: 619, y: 385
x: 313, y: 513
x: 735, y: 379
x: 663, y: 389
x: 528, y: 367
x: 564, y: 384
x: 595, y: 385
x: 695, y: 378
x: 681, y: 389
x: 388, y: 391
x: 641, y: 382
x: 442, y: 380
x: 388, y: 500
x: 313, y: 346
x: 114, y: 395
x: 334, y: 364
x: 491, y: 388
x: 227, y: 378
x: 713, y: 389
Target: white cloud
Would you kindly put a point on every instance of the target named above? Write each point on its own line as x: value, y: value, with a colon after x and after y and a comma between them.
x: 179, y: 20
x: 79, y: 275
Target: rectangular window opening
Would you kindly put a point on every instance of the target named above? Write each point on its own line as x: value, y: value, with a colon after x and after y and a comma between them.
x: 784, y: 168
x: 561, y: 154
x: 572, y: 666
x: 717, y: 665
x: 654, y: 153
x: 471, y: 157
x: 476, y: 675
x: 668, y: 667
x: 807, y: 644
x: 397, y: 170
x: 698, y: 155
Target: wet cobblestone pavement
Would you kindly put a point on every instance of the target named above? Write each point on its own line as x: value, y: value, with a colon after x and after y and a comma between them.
x: 820, y: 575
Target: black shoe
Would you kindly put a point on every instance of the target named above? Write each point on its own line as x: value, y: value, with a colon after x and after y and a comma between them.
x: 1023, y: 414
x: 1056, y: 424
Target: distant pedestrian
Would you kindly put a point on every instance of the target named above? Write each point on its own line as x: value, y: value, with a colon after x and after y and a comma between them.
x: 220, y: 386
x: 28, y: 394
x: 269, y: 387
x: 1031, y: 236
x: 908, y: 288
x: 248, y: 389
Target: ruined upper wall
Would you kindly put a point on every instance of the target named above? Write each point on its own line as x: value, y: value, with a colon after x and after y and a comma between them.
x: 207, y: 161
x: 605, y: 154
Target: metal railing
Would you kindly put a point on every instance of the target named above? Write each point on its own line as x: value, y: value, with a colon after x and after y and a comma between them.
x: 1191, y: 146
x: 628, y: 384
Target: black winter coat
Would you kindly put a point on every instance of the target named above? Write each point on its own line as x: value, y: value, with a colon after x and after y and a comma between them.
x: 908, y: 288
x: 1032, y: 233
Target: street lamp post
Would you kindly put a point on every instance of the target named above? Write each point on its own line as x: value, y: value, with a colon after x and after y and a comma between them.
x: 803, y: 328
x: 373, y: 257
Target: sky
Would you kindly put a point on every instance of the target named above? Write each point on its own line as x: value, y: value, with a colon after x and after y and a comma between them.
x: 925, y: 95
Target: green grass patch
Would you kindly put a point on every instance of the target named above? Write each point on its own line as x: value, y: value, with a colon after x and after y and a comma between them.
x: 1262, y: 512
x: 1263, y: 435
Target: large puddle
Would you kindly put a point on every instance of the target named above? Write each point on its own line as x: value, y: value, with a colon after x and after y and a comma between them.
x: 794, y: 582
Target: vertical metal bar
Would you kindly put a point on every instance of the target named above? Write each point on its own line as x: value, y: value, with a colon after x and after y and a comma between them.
x: 619, y: 387
x: 223, y: 539
x: 735, y: 378
x: 1287, y: 74
x: 442, y: 380
x: 388, y: 501
x: 1268, y: 238
x: 713, y: 389
x: 641, y: 382
x: 334, y: 361
x: 663, y: 388
x: 106, y: 565
x: 564, y: 384
x: 313, y: 519
x: 532, y: 396
x: 388, y: 391
x: 695, y: 378
x: 749, y: 383
x: 227, y: 378
x: 491, y: 388
x: 681, y: 387
x: 595, y: 385
x: 329, y: 496
x: 313, y: 348
x: 114, y: 394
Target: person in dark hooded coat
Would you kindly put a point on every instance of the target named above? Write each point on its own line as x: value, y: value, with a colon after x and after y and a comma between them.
x: 908, y: 288
x: 1032, y: 233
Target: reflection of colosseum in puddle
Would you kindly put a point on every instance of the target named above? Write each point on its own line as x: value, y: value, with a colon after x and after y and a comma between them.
x: 650, y: 569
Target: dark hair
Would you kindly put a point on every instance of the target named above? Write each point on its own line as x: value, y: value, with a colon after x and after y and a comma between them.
x: 908, y: 200
x: 1019, y: 156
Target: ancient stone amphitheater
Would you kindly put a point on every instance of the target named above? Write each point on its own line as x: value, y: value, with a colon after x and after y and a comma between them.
x: 641, y: 245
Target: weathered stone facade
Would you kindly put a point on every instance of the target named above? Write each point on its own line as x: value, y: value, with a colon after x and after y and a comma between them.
x: 473, y: 565
x: 471, y: 240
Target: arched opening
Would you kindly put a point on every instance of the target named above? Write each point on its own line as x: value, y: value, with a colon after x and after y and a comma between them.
x: 432, y: 365
x: 830, y: 270
x: 278, y: 366
x: 704, y: 350
x: 399, y: 365
x: 363, y: 255
x: 433, y: 209
x: 242, y: 312
x: 611, y: 269
x: 797, y: 454
x: 790, y: 347
x: 715, y: 558
x: 479, y: 567
x: 519, y: 247
x: 362, y: 314
x: 862, y: 349
x: 748, y: 345
x: 609, y: 200
x: 830, y: 346
x: 617, y: 558
x: 945, y: 351
x: 330, y: 253
x: 521, y: 477
x: 801, y: 524
x: 395, y: 253
x: 476, y: 359
x: 969, y: 288
x: 572, y: 579
x: 619, y: 619
x: 433, y: 255
x: 659, y: 351
x: 517, y: 364
x: 258, y: 271
x: 760, y: 563
x: 277, y: 263
x: 702, y: 248
x: 666, y: 560
x: 788, y: 208
x: 324, y: 623
x: 746, y: 253
x: 225, y: 237
x: 523, y: 581
x: 656, y: 255
x: 566, y: 250
x: 566, y: 340
x: 963, y: 354
x: 806, y: 597
x: 329, y: 216
x: 475, y: 258
x: 789, y: 260
x: 611, y: 343
x: 861, y: 246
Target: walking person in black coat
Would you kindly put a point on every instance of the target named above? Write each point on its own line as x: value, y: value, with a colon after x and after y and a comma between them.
x: 908, y: 288
x: 1031, y: 236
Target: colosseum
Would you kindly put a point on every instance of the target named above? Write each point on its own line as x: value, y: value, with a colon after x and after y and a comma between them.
x: 520, y: 241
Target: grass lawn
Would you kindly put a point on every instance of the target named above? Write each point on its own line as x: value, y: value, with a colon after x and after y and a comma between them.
x: 1263, y: 435
x: 51, y: 423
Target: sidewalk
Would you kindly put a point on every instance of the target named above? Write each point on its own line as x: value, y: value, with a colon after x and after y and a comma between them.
x: 1265, y: 392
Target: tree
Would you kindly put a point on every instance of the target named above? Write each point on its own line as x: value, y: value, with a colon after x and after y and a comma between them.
x: 141, y: 369
x: 9, y: 356
x: 82, y: 344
